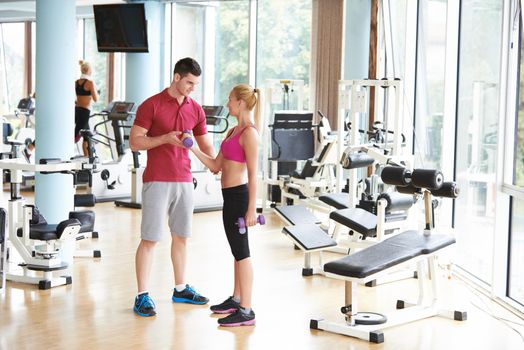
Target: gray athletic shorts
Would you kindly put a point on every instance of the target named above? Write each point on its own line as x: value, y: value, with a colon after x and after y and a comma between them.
x: 174, y: 199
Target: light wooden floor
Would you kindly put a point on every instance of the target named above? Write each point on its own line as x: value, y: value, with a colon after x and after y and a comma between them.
x: 95, y: 312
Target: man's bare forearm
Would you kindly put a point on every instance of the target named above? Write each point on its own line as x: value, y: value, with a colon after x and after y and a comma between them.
x: 141, y: 143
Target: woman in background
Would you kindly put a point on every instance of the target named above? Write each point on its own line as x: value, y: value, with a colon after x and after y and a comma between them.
x: 85, y: 93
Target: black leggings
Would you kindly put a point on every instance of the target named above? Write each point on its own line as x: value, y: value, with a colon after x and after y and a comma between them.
x: 81, y: 121
x: 236, y: 200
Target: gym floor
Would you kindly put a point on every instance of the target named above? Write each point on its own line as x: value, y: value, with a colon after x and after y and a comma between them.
x: 95, y: 312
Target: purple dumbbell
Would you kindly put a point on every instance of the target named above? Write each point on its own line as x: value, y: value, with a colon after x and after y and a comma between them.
x: 187, y: 140
x: 242, y: 223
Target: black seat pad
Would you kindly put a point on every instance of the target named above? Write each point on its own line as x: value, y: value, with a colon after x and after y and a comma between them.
x: 48, y: 232
x: 336, y: 200
x: 356, y: 219
x: 387, y: 253
x: 86, y: 218
x: 41, y: 232
x: 297, y: 214
x: 310, y: 236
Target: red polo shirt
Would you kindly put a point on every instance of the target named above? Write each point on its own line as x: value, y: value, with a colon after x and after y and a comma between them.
x: 161, y: 114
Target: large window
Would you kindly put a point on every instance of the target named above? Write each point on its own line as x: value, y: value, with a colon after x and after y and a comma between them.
x: 518, y: 178
x: 188, y: 36
x: 477, y: 125
x: 429, y: 115
x: 284, y: 43
x: 12, y: 65
x: 216, y: 34
x: 98, y: 61
x: 399, y: 21
x: 516, y: 258
x: 232, y: 47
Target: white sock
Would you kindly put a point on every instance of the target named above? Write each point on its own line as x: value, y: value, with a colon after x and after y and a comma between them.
x: 245, y: 310
x: 142, y: 292
x: 236, y: 299
x: 180, y: 287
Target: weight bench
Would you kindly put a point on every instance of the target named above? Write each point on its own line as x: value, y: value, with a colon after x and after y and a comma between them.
x: 405, y: 248
x: 374, y: 261
x: 305, y: 232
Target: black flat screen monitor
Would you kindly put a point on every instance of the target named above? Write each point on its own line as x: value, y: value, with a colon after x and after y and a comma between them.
x: 121, y: 28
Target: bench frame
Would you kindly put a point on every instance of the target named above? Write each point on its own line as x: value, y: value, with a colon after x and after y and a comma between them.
x: 426, y: 305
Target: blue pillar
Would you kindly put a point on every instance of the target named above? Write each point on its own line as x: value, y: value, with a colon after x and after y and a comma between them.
x: 356, y: 48
x: 144, y: 71
x: 55, y: 76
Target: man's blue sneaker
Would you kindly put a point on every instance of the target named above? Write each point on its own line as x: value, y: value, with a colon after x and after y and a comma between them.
x: 189, y: 295
x: 144, y: 305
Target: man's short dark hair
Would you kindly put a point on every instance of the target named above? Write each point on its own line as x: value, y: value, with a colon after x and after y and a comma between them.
x: 187, y: 65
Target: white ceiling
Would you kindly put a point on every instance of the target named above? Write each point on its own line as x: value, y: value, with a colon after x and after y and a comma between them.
x: 19, y: 10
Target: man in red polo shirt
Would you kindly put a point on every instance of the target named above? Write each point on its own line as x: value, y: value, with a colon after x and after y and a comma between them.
x: 168, y: 182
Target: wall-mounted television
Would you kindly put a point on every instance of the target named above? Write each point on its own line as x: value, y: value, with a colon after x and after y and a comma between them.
x: 121, y: 28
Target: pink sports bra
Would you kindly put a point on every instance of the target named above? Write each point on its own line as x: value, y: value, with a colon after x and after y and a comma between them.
x: 231, y: 148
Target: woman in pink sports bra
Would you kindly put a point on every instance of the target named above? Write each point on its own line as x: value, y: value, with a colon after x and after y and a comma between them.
x: 237, y: 160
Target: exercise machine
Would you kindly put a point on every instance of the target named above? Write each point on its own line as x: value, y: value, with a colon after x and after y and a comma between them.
x: 407, y: 247
x: 386, y: 147
x: 113, y: 179
x: 25, y: 113
x: 38, y: 243
x: 282, y: 117
x: 18, y: 133
x: 317, y: 176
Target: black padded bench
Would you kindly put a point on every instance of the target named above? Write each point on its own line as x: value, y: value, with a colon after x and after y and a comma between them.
x: 336, y: 200
x: 307, y: 235
x: 390, y: 252
x: 297, y: 214
x: 357, y: 219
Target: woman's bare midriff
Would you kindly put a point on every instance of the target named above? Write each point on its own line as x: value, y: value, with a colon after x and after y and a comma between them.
x: 84, y: 101
x: 233, y: 173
